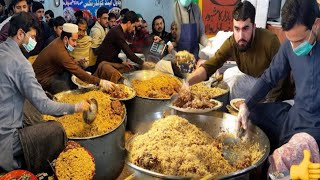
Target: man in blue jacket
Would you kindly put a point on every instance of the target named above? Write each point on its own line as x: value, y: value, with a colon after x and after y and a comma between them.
x: 301, y: 55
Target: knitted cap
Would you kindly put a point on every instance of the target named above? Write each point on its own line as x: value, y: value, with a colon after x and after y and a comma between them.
x: 70, y: 28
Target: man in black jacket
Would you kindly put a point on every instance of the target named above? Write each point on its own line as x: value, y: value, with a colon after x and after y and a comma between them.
x: 115, y: 41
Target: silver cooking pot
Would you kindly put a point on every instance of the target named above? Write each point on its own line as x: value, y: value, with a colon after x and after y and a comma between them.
x: 139, y: 107
x: 213, y: 124
x: 107, y: 149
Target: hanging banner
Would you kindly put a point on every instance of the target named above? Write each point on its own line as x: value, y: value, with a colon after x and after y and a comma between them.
x: 217, y: 15
x: 88, y: 7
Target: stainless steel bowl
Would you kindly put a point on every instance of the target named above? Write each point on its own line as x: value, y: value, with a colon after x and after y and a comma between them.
x: 213, y: 123
x: 142, y: 106
x: 107, y: 149
x: 145, y: 108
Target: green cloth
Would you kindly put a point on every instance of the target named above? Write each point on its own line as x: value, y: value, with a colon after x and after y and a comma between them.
x: 254, y: 61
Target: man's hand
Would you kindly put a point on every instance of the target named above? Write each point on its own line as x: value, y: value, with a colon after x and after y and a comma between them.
x: 157, y: 39
x: 107, y: 85
x: 83, y: 63
x: 170, y: 48
x: 128, y: 65
x: 185, y: 86
x: 305, y: 170
x: 82, y: 106
x: 242, y: 119
x: 200, y: 62
x: 148, y: 65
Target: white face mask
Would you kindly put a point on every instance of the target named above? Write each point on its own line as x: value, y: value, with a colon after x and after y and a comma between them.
x: 185, y: 3
x: 31, y: 44
x: 70, y: 48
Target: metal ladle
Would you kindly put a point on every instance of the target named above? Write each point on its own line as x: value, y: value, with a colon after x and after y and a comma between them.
x: 213, y: 81
x: 90, y: 115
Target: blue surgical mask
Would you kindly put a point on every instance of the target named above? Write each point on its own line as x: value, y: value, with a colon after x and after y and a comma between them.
x: 185, y: 3
x: 304, y: 48
x: 70, y: 48
x: 31, y: 45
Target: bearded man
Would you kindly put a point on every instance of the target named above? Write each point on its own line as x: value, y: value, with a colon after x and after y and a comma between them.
x: 253, y: 50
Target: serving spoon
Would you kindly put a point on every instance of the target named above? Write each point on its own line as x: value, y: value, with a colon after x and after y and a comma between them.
x: 90, y: 115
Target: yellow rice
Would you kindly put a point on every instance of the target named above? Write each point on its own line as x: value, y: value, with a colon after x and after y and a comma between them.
x: 202, y: 90
x: 74, y: 124
x: 161, y: 86
x: 173, y: 146
x: 75, y: 164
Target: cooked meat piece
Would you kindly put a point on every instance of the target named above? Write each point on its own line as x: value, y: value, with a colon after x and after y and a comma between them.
x: 146, y: 160
x: 118, y: 92
x: 187, y: 99
x: 116, y: 107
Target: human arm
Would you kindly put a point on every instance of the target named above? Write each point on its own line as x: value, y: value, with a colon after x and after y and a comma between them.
x: 277, y: 70
x: 279, y: 67
x: 121, y: 42
x: 220, y: 57
x: 28, y: 86
x: 70, y: 65
x: 198, y: 75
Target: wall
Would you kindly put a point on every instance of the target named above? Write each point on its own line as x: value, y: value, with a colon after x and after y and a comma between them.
x: 147, y: 8
x: 49, y: 4
x: 151, y: 8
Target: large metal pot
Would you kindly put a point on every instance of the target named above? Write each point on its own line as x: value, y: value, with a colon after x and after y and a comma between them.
x: 107, y: 149
x: 142, y: 107
x: 213, y: 124
x: 224, y: 98
x: 147, y: 107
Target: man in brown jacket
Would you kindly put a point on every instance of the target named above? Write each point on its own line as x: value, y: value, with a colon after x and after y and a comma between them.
x: 54, y: 66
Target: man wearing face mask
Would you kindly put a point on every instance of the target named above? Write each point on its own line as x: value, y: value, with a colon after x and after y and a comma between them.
x: 27, y: 146
x: 54, y: 66
x: 252, y: 48
x: 300, y: 53
x: 190, y: 27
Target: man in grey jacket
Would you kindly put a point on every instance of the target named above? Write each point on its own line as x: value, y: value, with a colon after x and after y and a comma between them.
x: 18, y: 83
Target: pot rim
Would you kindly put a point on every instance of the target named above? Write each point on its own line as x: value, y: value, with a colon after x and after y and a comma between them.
x: 114, y: 129
x: 56, y: 96
x: 230, y: 175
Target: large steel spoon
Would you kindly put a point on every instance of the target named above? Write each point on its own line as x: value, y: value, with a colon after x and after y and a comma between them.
x: 90, y: 115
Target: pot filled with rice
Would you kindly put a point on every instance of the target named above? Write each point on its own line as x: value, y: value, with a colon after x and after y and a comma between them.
x: 194, y: 146
x: 104, y: 138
